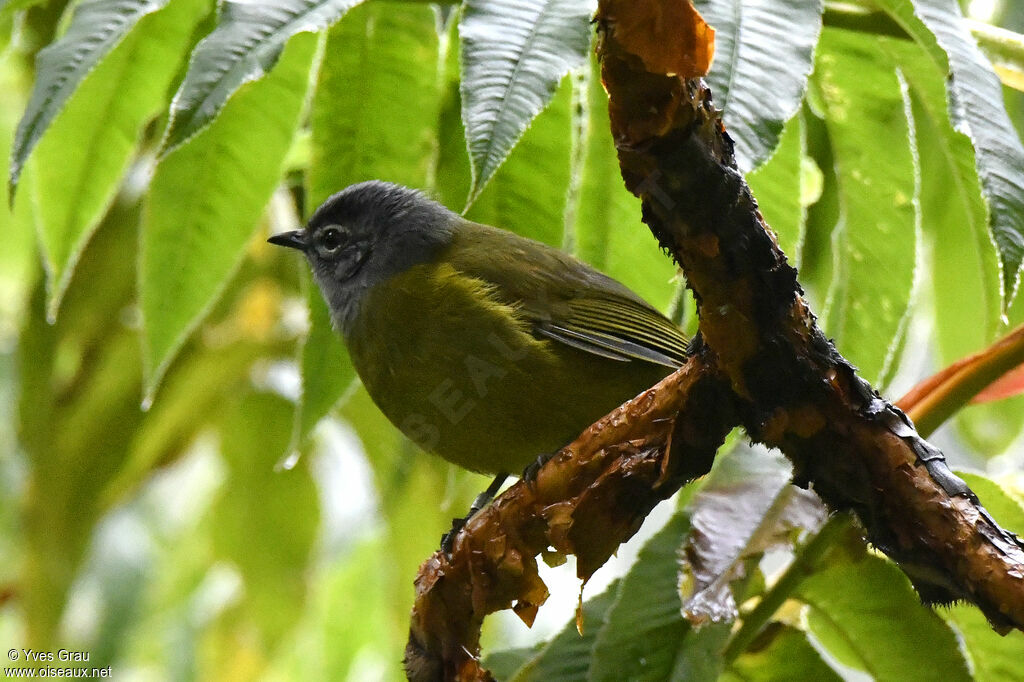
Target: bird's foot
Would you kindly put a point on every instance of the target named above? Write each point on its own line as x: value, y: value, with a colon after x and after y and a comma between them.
x: 481, y: 501
x: 533, y: 468
x: 448, y: 539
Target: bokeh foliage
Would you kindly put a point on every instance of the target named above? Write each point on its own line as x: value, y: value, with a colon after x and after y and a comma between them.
x: 198, y: 487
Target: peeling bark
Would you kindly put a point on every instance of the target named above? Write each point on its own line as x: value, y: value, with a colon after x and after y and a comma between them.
x: 591, y: 497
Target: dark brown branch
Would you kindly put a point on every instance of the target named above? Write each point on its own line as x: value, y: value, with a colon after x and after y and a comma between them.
x: 794, y: 389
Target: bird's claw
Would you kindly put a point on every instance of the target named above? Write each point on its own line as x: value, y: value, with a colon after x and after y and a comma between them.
x: 533, y: 468
x: 481, y: 501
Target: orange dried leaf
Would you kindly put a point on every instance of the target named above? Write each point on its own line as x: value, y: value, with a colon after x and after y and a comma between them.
x: 981, y: 377
x: 527, y: 612
x: 670, y: 37
x: 579, y: 611
x: 1006, y: 386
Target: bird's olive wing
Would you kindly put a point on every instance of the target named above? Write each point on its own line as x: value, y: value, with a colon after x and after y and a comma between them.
x: 619, y: 328
x: 566, y: 300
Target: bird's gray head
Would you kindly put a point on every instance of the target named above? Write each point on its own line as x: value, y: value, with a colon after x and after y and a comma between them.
x: 363, y: 235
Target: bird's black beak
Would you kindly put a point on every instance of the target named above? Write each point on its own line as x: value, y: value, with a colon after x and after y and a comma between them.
x: 296, y: 239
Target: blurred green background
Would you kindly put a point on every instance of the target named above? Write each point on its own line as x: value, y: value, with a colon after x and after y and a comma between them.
x: 196, y: 486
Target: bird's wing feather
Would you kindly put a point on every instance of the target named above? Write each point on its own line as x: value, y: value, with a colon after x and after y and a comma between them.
x: 568, y: 301
x: 620, y: 324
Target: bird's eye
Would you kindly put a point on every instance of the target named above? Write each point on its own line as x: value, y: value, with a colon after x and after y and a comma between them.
x: 331, y: 239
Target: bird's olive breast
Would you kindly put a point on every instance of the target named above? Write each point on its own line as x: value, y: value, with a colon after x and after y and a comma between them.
x: 462, y: 374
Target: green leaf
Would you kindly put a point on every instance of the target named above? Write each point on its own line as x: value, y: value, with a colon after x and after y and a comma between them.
x: 78, y: 409
x: 377, y: 101
x: 953, y: 214
x: 566, y: 658
x: 419, y: 495
x: 700, y: 655
x: 452, y: 175
x: 816, y: 256
x: 989, y: 429
x: 83, y: 154
x: 96, y: 28
x: 976, y: 108
x: 119, y: 574
x: 644, y: 630
x: 781, y: 187
x: 514, y: 53
x: 9, y: 6
x: 205, y: 200
x: 266, y: 521
x: 327, y: 647
x: 327, y: 371
x: 745, y: 507
x: 994, y: 658
x: 191, y: 398
x: 527, y: 195
x: 874, y: 246
x: 243, y: 48
x: 781, y: 652
x: 19, y: 262
x: 504, y: 664
x: 764, y: 52
x: 864, y: 611
x: 607, y: 229
x: 379, y: 58
x: 1016, y: 313
x: 1005, y: 508
x: 383, y: 443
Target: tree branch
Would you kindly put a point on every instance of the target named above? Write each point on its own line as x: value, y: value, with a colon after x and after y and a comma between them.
x: 760, y: 361
x: 794, y: 391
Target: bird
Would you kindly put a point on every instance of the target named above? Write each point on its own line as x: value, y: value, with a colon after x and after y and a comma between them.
x: 484, y: 347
